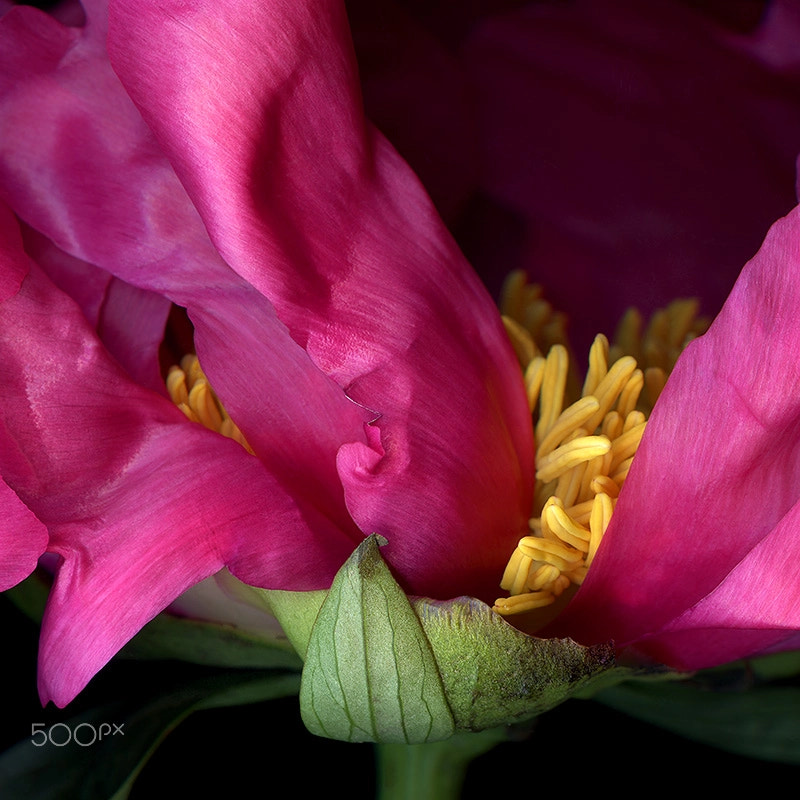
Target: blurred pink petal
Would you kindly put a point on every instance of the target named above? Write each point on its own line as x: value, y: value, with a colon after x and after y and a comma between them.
x: 643, y: 149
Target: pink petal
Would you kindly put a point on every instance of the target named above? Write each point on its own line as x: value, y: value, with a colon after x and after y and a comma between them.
x: 314, y: 208
x: 756, y: 607
x: 775, y: 42
x: 131, y: 326
x: 139, y: 502
x: 712, y: 493
x: 86, y: 284
x: 13, y: 270
x: 129, y: 320
x: 22, y: 539
x: 67, y: 124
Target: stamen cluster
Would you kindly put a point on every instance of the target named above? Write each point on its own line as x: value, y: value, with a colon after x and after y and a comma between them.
x: 584, y: 450
x: 190, y: 390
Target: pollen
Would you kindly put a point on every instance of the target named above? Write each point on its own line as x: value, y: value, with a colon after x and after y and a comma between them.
x: 586, y: 433
x: 190, y: 390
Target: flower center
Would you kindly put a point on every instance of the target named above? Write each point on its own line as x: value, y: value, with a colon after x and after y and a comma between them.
x: 192, y: 393
x: 584, y: 450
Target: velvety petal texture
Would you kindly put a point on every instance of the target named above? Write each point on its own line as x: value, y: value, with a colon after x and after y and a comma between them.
x: 224, y: 166
x: 139, y: 502
x: 361, y: 269
x: 699, y: 560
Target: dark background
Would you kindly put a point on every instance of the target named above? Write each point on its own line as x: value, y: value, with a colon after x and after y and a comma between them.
x: 252, y: 749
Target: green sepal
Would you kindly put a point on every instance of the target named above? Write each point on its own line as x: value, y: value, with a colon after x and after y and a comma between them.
x: 370, y: 674
x: 496, y: 675
x: 380, y: 667
x: 296, y: 611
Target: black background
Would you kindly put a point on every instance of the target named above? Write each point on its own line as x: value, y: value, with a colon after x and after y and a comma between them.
x: 576, y: 747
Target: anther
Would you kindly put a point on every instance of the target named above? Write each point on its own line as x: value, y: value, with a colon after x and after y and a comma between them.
x: 190, y: 390
x: 585, y: 445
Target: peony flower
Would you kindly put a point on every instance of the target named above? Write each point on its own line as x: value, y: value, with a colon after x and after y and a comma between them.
x: 219, y: 162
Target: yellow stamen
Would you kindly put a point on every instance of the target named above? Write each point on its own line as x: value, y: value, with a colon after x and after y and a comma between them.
x: 569, y: 421
x: 190, y: 390
x: 521, y: 340
x: 523, y: 303
x: 585, y: 445
x: 598, y: 364
x: 602, y: 508
x: 551, y: 395
x: 566, y: 528
x: 570, y: 455
x: 654, y: 380
x: 534, y: 375
x: 518, y: 604
x: 549, y: 552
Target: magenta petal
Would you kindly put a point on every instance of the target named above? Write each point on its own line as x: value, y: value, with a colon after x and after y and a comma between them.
x: 84, y: 283
x: 713, y: 490
x: 129, y: 320
x: 22, y: 539
x: 131, y: 326
x: 69, y: 125
x: 138, y: 547
x: 140, y: 503
x: 12, y: 270
x: 308, y: 203
x: 756, y: 607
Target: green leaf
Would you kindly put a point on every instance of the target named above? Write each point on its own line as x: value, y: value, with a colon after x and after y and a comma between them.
x: 776, y: 666
x: 763, y: 722
x: 210, y: 644
x: 121, y: 736
x: 30, y: 596
x: 193, y: 641
x: 370, y: 674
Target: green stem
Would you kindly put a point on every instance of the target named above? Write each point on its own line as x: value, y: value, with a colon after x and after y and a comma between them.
x: 433, y: 771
